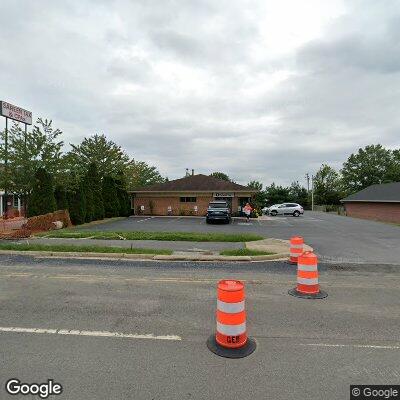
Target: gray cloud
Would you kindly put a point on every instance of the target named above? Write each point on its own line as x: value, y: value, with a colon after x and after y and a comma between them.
x: 241, y: 87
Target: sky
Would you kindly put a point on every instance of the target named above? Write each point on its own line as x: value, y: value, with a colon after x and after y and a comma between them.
x: 261, y: 90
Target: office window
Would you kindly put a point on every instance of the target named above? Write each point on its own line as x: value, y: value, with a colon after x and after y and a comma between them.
x: 188, y: 199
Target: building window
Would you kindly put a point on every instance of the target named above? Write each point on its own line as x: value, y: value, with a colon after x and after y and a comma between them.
x: 188, y: 199
x: 15, y: 201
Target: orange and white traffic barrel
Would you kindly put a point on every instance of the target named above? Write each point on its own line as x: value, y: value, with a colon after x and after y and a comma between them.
x: 230, y: 339
x: 307, y: 277
x: 296, y: 248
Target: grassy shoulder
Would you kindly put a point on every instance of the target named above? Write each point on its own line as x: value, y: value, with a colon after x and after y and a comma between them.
x: 245, y: 252
x: 80, y: 249
x: 164, y: 236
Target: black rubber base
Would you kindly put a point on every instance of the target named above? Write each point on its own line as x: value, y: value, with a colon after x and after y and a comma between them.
x: 241, y: 352
x: 320, y: 295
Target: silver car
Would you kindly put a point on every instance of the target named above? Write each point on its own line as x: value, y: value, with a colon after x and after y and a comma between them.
x: 286, y: 209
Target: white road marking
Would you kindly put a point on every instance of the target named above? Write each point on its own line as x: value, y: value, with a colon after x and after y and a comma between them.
x: 362, y: 346
x: 91, y: 333
x: 145, y: 219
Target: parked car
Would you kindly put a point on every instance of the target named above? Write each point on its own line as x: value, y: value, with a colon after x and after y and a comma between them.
x: 286, y: 209
x: 218, y: 211
x: 265, y: 210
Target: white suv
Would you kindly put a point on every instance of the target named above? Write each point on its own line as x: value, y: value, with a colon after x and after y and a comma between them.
x: 286, y: 209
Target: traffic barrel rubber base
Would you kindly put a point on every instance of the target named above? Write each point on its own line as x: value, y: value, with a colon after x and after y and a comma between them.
x: 320, y: 295
x: 240, y: 352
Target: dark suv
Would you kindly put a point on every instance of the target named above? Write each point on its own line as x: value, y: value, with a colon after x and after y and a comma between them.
x: 218, y: 211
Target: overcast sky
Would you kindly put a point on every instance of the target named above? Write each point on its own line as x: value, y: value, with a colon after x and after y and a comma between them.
x: 264, y: 90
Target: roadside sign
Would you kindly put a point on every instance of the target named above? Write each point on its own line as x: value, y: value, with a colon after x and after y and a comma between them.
x: 16, y: 113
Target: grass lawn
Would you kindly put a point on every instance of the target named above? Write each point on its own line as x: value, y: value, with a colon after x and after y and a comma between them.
x: 80, y: 249
x: 245, y: 252
x: 172, y: 236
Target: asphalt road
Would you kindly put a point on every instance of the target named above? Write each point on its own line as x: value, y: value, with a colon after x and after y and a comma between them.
x: 335, y: 238
x: 306, y: 349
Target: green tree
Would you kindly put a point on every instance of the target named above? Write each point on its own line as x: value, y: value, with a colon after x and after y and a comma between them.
x: 327, y: 186
x: 77, y: 204
x: 370, y: 165
x: 259, y: 197
x: 60, y: 195
x: 222, y: 176
x: 94, y: 194
x: 42, y: 200
x: 124, y: 198
x: 38, y: 148
x: 393, y: 173
x: 108, y: 156
x: 140, y: 174
x: 110, y: 197
x: 298, y: 194
x: 276, y: 194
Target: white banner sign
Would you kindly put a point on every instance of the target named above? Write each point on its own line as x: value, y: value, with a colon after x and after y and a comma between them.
x: 15, y: 113
x: 223, y: 194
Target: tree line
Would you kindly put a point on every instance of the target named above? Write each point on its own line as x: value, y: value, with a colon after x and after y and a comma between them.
x: 373, y: 164
x: 91, y: 179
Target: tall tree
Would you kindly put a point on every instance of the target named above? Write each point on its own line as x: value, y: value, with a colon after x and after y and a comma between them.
x: 60, y: 195
x: 110, y: 197
x: 77, y: 204
x: 327, y: 186
x: 368, y: 166
x: 94, y: 194
x: 124, y: 198
x: 276, y: 194
x: 140, y: 174
x: 39, y: 148
x: 108, y: 156
x: 260, y: 196
x: 298, y: 194
x: 221, y: 175
x: 42, y: 200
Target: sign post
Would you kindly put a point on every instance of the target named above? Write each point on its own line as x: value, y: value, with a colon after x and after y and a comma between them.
x: 15, y: 113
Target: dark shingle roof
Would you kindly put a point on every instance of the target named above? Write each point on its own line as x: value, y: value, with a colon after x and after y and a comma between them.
x: 195, y: 183
x: 387, y: 192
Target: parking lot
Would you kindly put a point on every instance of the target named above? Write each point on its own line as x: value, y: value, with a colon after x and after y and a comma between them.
x: 336, y: 239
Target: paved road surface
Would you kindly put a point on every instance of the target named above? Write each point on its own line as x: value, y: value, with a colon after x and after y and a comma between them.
x: 306, y: 349
x: 335, y: 238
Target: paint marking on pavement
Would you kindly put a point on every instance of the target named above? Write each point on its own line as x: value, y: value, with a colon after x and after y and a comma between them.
x: 145, y: 219
x: 362, y: 346
x: 73, y: 332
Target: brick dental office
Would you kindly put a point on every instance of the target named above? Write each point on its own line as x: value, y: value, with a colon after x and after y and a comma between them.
x: 189, y: 196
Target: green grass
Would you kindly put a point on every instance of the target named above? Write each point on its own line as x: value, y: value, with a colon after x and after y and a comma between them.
x: 245, y: 252
x: 80, y: 249
x: 170, y: 236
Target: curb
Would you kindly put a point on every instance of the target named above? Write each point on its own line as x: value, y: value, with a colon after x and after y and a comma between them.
x: 157, y: 257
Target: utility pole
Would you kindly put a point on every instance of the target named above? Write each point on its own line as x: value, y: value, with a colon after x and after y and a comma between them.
x: 312, y: 192
x: 308, y: 182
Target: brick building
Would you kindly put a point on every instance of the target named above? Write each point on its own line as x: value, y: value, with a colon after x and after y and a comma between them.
x: 377, y: 202
x: 188, y: 196
x: 15, y: 206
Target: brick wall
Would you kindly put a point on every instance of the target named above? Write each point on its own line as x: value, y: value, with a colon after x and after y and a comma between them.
x: 387, y: 212
x: 161, y: 204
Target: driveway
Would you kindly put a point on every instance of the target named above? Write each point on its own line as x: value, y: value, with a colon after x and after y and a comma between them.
x: 336, y: 239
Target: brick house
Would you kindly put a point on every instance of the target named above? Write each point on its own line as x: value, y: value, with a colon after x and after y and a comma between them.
x: 14, y: 205
x: 376, y: 202
x: 188, y: 196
